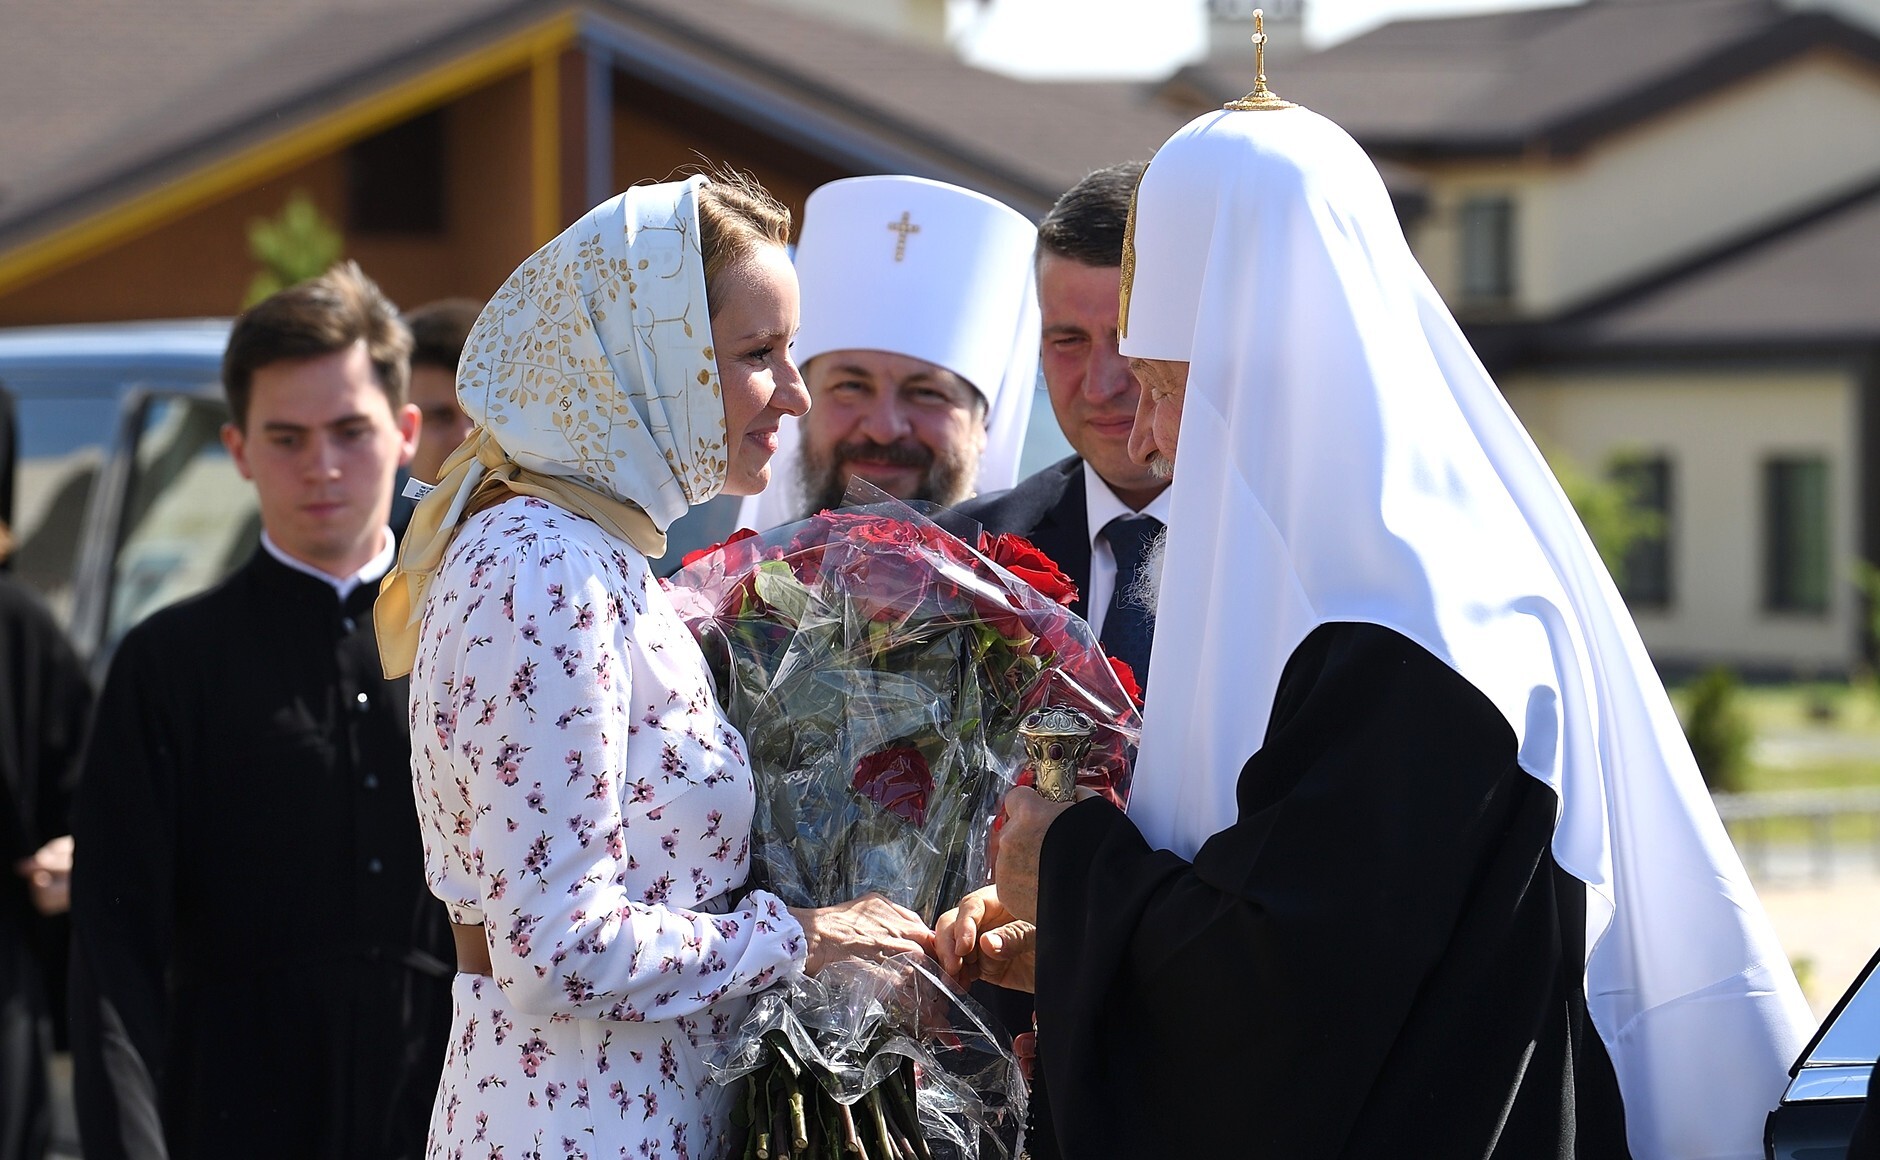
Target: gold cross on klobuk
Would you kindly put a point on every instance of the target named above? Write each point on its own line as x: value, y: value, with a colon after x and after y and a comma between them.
x: 902, y: 228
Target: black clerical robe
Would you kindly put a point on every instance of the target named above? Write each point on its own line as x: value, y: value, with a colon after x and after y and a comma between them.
x: 44, y: 701
x: 1379, y: 958
x: 259, y: 969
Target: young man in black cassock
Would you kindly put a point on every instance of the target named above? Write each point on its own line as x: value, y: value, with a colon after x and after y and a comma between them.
x: 44, y: 701
x: 259, y: 968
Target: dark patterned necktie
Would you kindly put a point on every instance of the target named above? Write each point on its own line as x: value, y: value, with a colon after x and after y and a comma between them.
x: 1127, y: 626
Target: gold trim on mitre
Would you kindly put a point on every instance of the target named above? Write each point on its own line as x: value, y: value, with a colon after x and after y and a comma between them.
x: 1261, y: 99
x: 1129, y: 259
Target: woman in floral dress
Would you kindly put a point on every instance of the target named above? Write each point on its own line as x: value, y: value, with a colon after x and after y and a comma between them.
x: 586, y: 805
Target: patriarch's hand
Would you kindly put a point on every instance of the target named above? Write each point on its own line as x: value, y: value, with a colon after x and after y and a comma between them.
x: 1021, y: 841
x: 981, y: 940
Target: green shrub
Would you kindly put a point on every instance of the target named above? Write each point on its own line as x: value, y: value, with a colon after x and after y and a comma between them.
x: 291, y: 248
x: 1609, y: 505
x: 1718, y: 730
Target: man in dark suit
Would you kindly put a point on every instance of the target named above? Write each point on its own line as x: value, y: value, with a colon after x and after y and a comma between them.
x: 1096, y: 512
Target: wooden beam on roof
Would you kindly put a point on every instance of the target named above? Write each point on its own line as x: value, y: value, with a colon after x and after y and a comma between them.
x: 141, y: 213
x: 545, y: 142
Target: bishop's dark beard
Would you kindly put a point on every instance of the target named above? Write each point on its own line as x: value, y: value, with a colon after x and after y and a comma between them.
x: 946, y: 479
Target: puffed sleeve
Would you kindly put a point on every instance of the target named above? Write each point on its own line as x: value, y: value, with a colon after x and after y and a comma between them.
x: 545, y: 731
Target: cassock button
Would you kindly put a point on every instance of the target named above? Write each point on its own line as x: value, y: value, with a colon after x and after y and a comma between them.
x: 372, y: 781
x: 373, y: 866
x: 348, y: 625
x: 362, y: 704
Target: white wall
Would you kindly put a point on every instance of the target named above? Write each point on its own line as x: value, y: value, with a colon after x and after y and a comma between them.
x: 919, y: 21
x: 1718, y: 429
x: 1080, y: 40
x: 1671, y: 188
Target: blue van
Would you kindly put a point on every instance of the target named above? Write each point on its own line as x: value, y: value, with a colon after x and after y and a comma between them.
x: 124, y: 497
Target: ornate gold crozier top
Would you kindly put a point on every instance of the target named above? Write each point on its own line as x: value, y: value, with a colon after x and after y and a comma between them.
x: 1261, y: 99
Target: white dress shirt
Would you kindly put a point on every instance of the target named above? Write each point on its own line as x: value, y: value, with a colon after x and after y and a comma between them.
x: 374, y: 570
x: 1102, y: 506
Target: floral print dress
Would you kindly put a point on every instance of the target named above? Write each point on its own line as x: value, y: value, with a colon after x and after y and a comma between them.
x: 582, y: 796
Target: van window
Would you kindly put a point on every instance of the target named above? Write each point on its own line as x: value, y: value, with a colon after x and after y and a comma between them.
x: 190, y: 518
x: 66, y: 427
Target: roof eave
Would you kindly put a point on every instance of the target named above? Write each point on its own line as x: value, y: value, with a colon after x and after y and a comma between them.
x: 1755, y: 53
x: 1563, y: 346
x: 794, y: 108
x: 1571, y: 135
x: 346, y: 107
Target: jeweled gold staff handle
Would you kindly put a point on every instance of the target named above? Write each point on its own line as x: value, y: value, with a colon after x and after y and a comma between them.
x: 1057, y: 739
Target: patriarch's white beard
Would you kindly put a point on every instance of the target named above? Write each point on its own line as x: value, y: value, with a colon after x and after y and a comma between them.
x: 1146, y: 590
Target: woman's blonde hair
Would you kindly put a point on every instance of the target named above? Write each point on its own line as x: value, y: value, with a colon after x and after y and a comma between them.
x: 736, y: 215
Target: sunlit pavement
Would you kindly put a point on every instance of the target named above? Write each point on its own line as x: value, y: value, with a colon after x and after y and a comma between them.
x: 1831, y: 927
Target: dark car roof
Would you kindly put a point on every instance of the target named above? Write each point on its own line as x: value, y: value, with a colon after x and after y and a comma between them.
x: 193, y: 344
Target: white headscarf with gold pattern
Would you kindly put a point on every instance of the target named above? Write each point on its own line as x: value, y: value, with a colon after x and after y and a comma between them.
x: 592, y: 381
x: 594, y: 361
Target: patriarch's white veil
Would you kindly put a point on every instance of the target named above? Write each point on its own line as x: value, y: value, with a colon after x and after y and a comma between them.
x: 1343, y: 456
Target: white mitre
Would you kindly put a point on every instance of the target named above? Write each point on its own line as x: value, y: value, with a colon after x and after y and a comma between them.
x: 927, y: 270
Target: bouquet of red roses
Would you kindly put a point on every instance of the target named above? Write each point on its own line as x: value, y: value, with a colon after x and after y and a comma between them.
x: 879, y: 667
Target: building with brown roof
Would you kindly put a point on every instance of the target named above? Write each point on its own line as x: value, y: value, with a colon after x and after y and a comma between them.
x: 1659, y: 221
x: 448, y: 138
x: 1656, y: 218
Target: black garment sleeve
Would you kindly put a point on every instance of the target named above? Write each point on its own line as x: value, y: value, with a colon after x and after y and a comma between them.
x: 123, y: 910
x: 64, y: 708
x: 45, y: 702
x: 1250, y: 1003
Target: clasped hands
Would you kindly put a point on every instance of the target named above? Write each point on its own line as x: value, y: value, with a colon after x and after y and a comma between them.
x: 990, y: 935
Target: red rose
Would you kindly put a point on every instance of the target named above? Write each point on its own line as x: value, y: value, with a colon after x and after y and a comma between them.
x: 691, y: 558
x: 1126, y: 677
x: 898, y: 780
x: 1023, y: 559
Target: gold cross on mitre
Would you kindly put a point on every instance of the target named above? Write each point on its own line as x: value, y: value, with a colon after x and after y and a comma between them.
x: 902, y: 228
x: 1261, y: 99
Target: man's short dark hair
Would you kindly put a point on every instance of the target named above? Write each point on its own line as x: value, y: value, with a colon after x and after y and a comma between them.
x: 1086, y: 225
x: 439, y: 330
x: 315, y: 318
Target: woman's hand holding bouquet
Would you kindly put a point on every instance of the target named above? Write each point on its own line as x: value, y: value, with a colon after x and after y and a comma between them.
x: 869, y: 927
